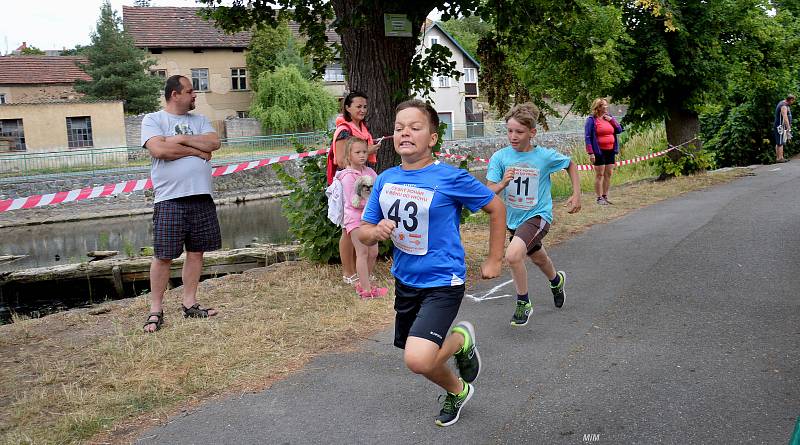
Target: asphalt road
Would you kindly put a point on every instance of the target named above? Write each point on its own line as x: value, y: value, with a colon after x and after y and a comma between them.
x: 681, y: 326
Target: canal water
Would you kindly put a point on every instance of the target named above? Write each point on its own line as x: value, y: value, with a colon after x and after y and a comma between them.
x: 68, y: 242
x: 63, y: 243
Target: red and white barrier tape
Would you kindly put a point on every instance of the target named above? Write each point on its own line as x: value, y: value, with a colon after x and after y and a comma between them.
x: 581, y: 167
x: 144, y: 184
x: 135, y: 185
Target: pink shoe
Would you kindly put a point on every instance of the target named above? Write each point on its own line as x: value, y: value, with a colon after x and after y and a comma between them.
x: 379, y: 291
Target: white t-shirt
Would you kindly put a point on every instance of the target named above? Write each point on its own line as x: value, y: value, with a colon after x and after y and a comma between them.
x: 187, y: 176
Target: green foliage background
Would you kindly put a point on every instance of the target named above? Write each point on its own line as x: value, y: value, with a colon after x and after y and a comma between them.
x: 286, y: 101
x: 118, y: 69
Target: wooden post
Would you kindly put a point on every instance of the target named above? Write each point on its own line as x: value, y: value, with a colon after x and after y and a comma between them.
x: 116, y: 278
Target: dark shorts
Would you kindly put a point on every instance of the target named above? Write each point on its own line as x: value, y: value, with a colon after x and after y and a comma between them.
x: 191, y: 220
x: 531, y: 232
x: 425, y: 313
x: 605, y: 157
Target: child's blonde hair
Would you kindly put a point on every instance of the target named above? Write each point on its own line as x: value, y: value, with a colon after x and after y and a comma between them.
x: 348, y: 143
x: 526, y: 114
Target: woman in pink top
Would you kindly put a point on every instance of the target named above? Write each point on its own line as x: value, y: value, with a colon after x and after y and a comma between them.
x: 357, y: 180
x: 600, y: 133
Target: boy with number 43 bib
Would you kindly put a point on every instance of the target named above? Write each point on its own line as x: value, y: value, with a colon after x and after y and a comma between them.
x: 418, y: 205
x: 521, y: 175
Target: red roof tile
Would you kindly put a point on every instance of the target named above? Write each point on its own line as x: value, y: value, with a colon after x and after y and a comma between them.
x: 41, y: 69
x: 175, y: 27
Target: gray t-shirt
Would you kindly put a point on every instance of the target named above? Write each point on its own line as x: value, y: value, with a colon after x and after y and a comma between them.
x: 187, y: 176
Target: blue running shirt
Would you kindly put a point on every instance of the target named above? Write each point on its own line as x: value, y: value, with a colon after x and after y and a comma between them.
x: 426, y: 205
x: 528, y: 194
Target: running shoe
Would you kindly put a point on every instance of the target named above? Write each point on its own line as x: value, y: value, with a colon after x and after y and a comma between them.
x: 468, y: 361
x: 601, y: 201
x: 522, y: 313
x: 558, y: 291
x: 453, y: 404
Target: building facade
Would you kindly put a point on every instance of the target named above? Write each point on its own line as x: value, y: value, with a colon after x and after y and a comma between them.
x: 40, y: 110
x: 183, y: 43
x: 456, y: 100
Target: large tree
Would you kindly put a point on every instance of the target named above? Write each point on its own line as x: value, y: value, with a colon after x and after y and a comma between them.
x: 118, y: 69
x: 665, y: 58
x: 271, y: 48
x: 386, y: 68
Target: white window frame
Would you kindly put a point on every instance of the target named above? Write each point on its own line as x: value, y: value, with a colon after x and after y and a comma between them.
x: 470, y: 75
x: 198, y: 78
x: 242, y: 114
x: 444, y: 81
x: 2, y: 98
x: 434, y: 41
x: 160, y: 73
x: 240, y: 75
x: 333, y: 73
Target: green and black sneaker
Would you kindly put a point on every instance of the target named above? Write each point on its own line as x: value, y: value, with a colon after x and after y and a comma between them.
x: 453, y: 404
x: 558, y: 291
x: 467, y: 358
x: 522, y: 313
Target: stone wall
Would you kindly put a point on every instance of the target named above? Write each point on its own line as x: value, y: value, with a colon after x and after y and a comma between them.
x: 242, y: 127
x: 133, y: 130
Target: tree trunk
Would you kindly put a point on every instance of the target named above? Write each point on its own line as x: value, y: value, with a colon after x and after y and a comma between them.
x: 681, y: 126
x: 377, y: 65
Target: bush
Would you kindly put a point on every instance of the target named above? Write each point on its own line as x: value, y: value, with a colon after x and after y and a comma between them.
x: 306, y: 209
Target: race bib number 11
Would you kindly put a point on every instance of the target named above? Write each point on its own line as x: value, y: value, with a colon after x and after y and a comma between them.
x: 409, y: 208
x: 522, y: 191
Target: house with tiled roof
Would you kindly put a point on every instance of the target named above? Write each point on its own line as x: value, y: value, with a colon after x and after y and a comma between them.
x: 32, y: 79
x: 456, y: 100
x: 183, y: 43
x: 41, y: 111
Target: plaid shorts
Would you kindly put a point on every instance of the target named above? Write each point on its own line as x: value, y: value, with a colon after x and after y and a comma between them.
x: 190, y: 220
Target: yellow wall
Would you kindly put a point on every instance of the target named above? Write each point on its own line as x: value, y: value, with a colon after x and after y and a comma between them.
x: 220, y: 101
x: 38, y: 93
x: 45, y: 125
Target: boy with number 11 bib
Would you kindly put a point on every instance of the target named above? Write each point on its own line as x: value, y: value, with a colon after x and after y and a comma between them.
x: 418, y: 205
x: 521, y: 175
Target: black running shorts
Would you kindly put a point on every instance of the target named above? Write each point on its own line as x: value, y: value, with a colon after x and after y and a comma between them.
x: 425, y: 313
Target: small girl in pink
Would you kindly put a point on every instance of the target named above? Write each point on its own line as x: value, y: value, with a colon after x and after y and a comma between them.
x: 357, y: 180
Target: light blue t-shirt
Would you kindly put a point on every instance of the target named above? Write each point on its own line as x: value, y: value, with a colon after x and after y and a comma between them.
x: 528, y: 194
x: 187, y: 176
x: 426, y: 205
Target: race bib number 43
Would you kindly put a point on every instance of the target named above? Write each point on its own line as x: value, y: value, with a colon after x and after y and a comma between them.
x: 523, y: 191
x: 409, y: 207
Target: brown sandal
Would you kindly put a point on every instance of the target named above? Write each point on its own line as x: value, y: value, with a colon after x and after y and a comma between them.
x: 157, y: 322
x: 196, y: 311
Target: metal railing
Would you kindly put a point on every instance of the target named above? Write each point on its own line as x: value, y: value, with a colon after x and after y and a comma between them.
x: 103, y: 161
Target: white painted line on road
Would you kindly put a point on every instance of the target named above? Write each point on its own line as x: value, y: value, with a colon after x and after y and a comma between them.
x: 488, y: 295
x: 775, y: 169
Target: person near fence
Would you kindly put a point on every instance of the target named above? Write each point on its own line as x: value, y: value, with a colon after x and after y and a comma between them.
x: 602, y: 145
x: 350, y: 123
x: 418, y: 206
x: 357, y: 181
x: 180, y: 144
x: 520, y: 173
x: 782, y: 127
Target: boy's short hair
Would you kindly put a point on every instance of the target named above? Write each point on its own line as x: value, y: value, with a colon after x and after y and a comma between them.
x: 433, y: 116
x: 526, y: 114
x: 348, y: 143
x: 790, y: 97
